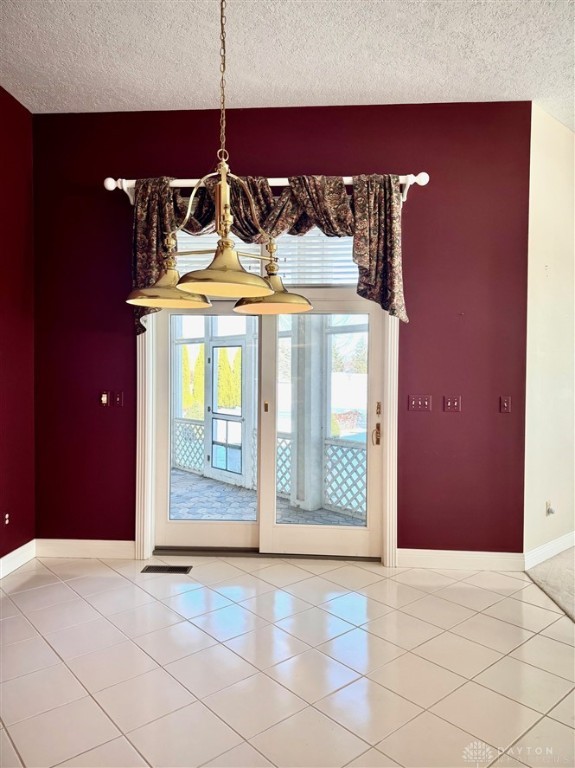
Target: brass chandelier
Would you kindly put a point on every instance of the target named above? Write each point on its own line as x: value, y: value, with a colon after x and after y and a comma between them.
x: 225, y: 277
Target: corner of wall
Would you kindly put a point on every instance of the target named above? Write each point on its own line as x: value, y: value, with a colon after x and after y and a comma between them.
x: 17, y: 479
x: 549, y: 427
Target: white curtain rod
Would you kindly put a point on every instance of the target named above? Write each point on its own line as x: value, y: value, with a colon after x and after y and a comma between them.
x: 127, y: 185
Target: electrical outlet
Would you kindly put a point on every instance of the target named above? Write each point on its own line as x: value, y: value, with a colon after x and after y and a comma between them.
x: 549, y: 509
x: 505, y: 404
x: 452, y: 403
x: 118, y: 399
x: 419, y: 403
x: 7, y: 519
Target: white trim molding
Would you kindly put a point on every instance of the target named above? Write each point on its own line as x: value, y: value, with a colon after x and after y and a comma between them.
x: 104, y: 548
x: 145, y: 435
x: 460, y: 560
x: 17, y: 558
x: 552, y: 548
x: 390, y: 415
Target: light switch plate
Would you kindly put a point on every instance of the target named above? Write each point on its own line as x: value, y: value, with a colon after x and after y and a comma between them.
x: 452, y: 403
x: 419, y: 403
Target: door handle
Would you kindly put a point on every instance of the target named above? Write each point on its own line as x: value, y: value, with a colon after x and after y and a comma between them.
x: 376, y: 434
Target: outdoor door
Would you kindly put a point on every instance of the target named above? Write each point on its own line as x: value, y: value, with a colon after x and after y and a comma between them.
x: 280, y: 455
x: 321, y: 483
x: 226, y: 451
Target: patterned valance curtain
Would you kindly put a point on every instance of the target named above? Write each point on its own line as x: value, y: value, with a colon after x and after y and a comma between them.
x: 372, y: 216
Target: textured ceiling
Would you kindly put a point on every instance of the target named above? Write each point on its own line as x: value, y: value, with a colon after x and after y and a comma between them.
x: 115, y: 55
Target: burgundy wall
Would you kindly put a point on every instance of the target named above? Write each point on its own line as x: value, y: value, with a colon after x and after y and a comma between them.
x: 16, y: 326
x: 465, y: 251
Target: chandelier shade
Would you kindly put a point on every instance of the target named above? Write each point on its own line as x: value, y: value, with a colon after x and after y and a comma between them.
x: 164, y: 294
x: 225, y: 277
x: 281, y: 302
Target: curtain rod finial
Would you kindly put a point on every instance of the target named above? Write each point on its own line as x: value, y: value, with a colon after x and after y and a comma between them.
x: 422, y: 179
x: 110, y: 184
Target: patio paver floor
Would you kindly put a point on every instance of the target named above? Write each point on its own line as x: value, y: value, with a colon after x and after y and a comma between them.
x: 193, y: 497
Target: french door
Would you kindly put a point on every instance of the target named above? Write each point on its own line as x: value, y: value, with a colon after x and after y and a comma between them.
x: 268, y: 428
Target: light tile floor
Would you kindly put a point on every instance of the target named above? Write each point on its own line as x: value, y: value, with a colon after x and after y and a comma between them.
x: 253, y: 662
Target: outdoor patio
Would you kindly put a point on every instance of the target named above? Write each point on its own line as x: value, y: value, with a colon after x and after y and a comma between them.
x: 194, y: 497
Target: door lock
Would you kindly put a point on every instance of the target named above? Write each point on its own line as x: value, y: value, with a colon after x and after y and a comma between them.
x: 376, y: 434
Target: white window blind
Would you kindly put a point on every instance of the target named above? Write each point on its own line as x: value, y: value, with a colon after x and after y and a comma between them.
x: 315, y: 259
x: 312, y: 259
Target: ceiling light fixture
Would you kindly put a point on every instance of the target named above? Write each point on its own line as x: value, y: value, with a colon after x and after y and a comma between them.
x: 281, y: 302
x: 164, y: 294
x: 225, y: 277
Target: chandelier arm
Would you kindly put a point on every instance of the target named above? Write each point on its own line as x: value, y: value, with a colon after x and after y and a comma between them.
x: 194, y: 253
x: 172, y: 235
x: 255, y: 216
x: 253, y: 256
x: 211, y: 251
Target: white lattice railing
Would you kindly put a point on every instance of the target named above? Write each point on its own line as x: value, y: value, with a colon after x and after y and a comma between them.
x: 345, y: 476
x: 344, y: 471
x: 188, y: 445
x: 283, y: 465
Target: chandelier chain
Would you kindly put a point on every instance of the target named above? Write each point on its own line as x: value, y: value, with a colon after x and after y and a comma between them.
x: 222, y: 152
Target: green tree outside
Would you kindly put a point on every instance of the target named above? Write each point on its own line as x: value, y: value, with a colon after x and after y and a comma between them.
x: 198, y: 386
x: 236, y: 382
x: 187, y: 396
x: 225, y: 390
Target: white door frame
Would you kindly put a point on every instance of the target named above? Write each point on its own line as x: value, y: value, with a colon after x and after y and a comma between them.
x: 146, y: 437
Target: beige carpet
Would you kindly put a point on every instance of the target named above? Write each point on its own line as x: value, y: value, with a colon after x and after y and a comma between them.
x: 556, y: 577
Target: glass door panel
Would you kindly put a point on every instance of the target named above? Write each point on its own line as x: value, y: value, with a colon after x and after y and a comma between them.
x: 212, y: 426
x: 229, y: 431
x: 227, y: 376
x: 227, y: 446
x: 325, y: 389
x: 321, y: 450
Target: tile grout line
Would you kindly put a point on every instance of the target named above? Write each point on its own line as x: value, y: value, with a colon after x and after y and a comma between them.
x: 273, y: 624
x: 88, y: 695
x: 545, y: 714
x: 467, y: 680
x: 159, y: 666
x: 14, y: 747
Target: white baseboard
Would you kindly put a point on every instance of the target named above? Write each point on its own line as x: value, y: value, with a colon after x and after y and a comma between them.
x: 552, y: 548
x: 406, y: 558
x: 460, y: 560
x: 17, y: 558
x: 85, y: 548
